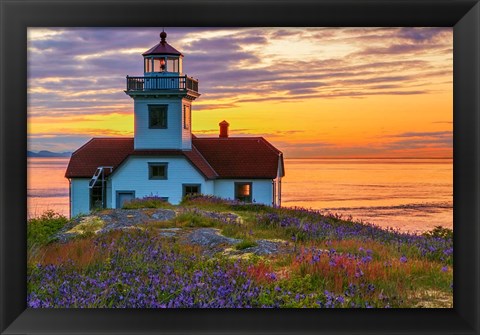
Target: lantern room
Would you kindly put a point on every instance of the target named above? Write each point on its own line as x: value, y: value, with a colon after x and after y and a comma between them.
x: 162, y: 59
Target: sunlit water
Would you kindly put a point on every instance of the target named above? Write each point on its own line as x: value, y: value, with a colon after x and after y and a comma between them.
x: 409, y: 194
x: 47, y: 187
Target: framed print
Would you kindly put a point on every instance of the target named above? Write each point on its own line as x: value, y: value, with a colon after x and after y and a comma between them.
x: 222, y: 212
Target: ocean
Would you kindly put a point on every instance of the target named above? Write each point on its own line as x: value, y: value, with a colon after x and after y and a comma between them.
x: 412, y: 195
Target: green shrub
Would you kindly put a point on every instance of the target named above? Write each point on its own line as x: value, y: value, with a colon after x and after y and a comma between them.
x: 440, y: 232
x: 40, y: 230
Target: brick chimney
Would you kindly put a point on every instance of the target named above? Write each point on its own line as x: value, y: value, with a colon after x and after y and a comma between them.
x: 223, y: 129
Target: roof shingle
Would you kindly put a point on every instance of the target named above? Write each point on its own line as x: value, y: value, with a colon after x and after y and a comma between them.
x: 234, y: 157
x: 162, y: 49
x: 240, y: 157
x: 98, y: 152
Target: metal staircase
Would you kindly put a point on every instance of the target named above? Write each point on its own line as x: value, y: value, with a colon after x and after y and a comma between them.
x: 99, y: 176
x: 99, y: 172
x: 94, y: 179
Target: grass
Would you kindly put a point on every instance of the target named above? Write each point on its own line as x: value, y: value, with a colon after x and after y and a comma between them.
x: 147, y: 202
x: 192, y: 219
x: 245, y: 244
x: 439, y: 232
x: 40, y: 231
x: 335, y: 263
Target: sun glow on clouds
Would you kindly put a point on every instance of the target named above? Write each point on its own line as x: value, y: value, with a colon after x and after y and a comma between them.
x: 313, y: 92
x: 38, y: 34
x: 134, y: 51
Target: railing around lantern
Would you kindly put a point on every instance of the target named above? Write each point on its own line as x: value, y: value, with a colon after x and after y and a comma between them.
x: 161, y: 83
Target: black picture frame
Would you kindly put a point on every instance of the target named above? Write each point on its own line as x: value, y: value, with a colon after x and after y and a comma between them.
x: 16, y: 16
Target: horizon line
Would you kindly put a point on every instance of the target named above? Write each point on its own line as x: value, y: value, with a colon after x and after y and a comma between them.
x: 348, y: 157
x: 304, y: 157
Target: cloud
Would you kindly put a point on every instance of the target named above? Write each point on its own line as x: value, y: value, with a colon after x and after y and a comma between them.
x: 217, y: 61
x: 392, y: 50
x: 419, y: 140
x: 78, y: 72
x: 433, y: 134
x: 406, y: 144
x: 421, y: 35
x: 213, y: 106
x: 331, y: 95
x: 376, y: 80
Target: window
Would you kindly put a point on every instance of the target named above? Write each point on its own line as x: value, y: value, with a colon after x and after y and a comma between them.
x: 148, y: 62
x: 97, y: 194
x: 186, y: 116
x: 157, y: 116
x: 172, y: 64
x: 191, y: 189
x: 243, y: 192
x: 96, y: 198
x: 157, y: 170
x: 159, y: 64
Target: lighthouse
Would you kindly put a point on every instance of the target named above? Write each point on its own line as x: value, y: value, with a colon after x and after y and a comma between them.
x: 163, y: 99
x: 164, y: 159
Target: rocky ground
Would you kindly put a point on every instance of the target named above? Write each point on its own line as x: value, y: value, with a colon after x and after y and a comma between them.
x: 211, y: 253
x: 209, y: 239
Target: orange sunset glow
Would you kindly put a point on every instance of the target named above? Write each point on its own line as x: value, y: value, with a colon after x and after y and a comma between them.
x: 312, y: 92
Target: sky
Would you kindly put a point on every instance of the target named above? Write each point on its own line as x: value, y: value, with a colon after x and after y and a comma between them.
x: 311, y: 92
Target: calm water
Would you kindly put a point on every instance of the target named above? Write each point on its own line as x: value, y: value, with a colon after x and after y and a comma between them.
x: 409, y: 194
x: 47, y: 188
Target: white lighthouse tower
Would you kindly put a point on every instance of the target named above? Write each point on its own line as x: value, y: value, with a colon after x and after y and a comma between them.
x: 162, y: 100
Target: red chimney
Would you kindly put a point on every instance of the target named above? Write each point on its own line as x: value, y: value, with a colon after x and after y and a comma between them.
x: 223, y: 129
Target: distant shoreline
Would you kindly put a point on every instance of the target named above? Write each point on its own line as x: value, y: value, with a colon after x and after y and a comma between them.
x: 48, y: 154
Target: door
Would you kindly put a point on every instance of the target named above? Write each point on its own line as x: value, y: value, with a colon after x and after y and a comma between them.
x: 123, y: 197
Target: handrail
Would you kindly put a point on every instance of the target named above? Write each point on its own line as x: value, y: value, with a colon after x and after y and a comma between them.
x: 155, y: 83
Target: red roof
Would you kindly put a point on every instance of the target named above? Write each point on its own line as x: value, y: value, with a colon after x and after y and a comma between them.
x: 240, y: 157
x: 201, y: 163
x: 234, y: 157
x: 98, y: 152
x: 162, y: 49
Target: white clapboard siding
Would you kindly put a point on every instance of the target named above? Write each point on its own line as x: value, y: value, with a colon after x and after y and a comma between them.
x: 173, y: 137
x: 261, y: 189
x: 133, y: 175
x: 186, y: 132
x: 80, y: 196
